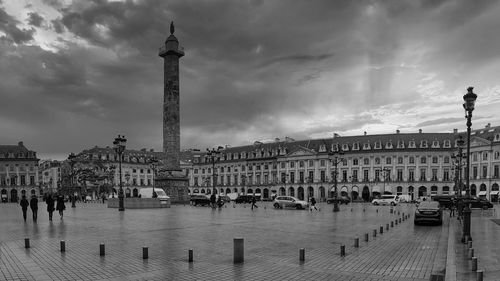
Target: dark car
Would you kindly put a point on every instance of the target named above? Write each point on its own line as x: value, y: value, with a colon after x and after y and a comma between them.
x: 476, y: 202
x: 342, y: 200
x: 428, y: 211
x: 244, y: 199
x: 201, y: 200
x: 445, y: 201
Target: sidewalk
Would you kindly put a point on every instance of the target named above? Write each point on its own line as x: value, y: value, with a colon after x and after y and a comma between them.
x: 485, y: 231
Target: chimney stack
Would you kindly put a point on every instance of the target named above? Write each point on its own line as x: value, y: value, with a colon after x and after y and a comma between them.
x: 455, y: 131
x: 397, y: 131
x: 365, y: 133
x: 419, y: 131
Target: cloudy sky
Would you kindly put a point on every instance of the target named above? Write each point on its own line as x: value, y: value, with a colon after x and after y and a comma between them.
x: 75, y: 74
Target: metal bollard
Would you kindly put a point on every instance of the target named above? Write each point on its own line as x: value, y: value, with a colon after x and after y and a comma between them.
x: 392, y: 210
x: 386, y: 226
x: 144, y: 252
x: 190, y: 254
x: 396, y: 222
x: 399, y: 220
x: 381, y: 230
x: 26, y: 243
x: 469, y: 244
x: 479, y: 275
x: 366, y: 237
x: 377, y: 210
x: 238, y: 250
x: 474, y: 264
x: 302, y: 254
x: 342, y: 250
x: 63, y: 246
x: 374, y: 233
x: 102, y: 249
x: 470, y: 253
x: 392, y: 224
x: 356, y: 242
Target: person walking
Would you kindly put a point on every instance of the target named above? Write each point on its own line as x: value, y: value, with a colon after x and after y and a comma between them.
x: 254, y: 200
x: 313, y: 204
x: 50, y: 205
x: 219, y: 202
x: 24, y: 206
x: 60, y: 205
x: 34, y: 207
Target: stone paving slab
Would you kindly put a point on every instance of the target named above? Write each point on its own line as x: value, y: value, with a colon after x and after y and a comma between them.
x: 272, y: 240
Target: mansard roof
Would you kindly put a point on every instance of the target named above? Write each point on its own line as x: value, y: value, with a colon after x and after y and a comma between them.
x: 18, y: 151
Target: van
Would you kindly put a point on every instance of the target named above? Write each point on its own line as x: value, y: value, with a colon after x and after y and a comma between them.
x: 386, y: 199
x: 147, y: 192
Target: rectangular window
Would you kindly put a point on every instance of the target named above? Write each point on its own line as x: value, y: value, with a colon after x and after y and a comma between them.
x: 434, y: 174
x: 422, y: 175
x: 32, y: 180
x: 423, y: 160
x: 221, y: 180
x: 365, y: 175
x: 282, y: 165
x: 292, y: 177
x: 235, y: 179
x: 323, y: 176
x: 411, y: 175
x: 266, y: 179
x: 257, y: 181
x: 142, y: 182
x: 311, y: 163
x: 355, y: 175
x: 283, y: 178
x: 195, y: 181
x: 446, y: 175
x: 496, y: 171
x: 344, y: 176
x: 412, y: 160
x: 322, y: 162
x: 400, y: 174
x: 301, y: 177
x: 485, y: 172
x: 311, y: 176
x: 23, y: 180
x: 228, y: 179
x: 474, y: 172
x: 355, y: 162
x: 134, y: 181
x: 292, y: 164
x: 377, y: 175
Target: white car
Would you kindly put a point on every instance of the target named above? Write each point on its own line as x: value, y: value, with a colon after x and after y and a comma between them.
x: 392, y: 200
x: 281, y: 202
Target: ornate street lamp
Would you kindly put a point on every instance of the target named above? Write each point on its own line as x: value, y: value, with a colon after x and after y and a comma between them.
x: 71, y: 159
x: 214, y: 155
x: 335, y: 159
x: 385, y: 171
x: 153, y: 163
x: 470, y: 100
x: 458, y: 170
x: 119, y: 147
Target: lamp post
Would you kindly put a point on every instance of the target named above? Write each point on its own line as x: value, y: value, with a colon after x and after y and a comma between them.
x: 152, y: 163
x: 469, y: 101
x: 119, y: 147
x: 214, y: 154
x: 385, y: 171
x: 458, y: 171
x: 71, y: 158
x: 335, y: 160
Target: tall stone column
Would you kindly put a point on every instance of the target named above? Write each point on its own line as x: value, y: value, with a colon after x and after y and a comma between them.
x: 171, y: 178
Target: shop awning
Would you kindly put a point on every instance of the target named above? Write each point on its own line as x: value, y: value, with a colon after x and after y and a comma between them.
x: 343, y: 189
x: 355, y: 189
x: 376, y: 189
x: 494, y: 192
x: 482, y: 193
x: 388, y: 189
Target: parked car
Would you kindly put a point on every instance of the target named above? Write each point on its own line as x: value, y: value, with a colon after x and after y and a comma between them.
x: 281, y: 202
x: 244, y: 199
x: 342, y: 200
x: 224, y: 198
x: 428, y: 211
x: 445, y: 201
x: 386, y: 199
x: 201, y: 200
x: 476, y: 202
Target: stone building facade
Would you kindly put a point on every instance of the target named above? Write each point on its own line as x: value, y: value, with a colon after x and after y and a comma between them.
x: 18, y: 173
x: 413, y: 164
x: 49, y: 175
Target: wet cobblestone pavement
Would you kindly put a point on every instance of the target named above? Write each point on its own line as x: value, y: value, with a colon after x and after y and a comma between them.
x: 272, y: 239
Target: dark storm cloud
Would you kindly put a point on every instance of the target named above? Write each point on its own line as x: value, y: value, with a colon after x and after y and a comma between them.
x: 57, y: 26
x: 300, y: 59
x: 8, y: 25
x: 35, y: 19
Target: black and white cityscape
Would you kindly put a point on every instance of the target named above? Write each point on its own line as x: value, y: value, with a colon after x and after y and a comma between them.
x: 249, y: 140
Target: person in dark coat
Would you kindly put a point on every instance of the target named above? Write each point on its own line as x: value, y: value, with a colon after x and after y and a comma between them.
x: 212, y: 200
x: 34, y: 207
x: 254, y: 200
x: 313, y: 204
x: 60, y: 205
x: 24, y: 206
x: 50, y: 206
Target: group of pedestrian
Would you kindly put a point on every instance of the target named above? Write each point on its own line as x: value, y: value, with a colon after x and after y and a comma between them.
x: 49, y: 200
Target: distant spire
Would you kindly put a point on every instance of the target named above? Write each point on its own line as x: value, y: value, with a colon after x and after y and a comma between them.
x: 172, y: 29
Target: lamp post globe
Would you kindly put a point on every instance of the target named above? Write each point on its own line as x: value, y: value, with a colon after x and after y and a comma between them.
x: 469, y: 103
x: 119, y: 147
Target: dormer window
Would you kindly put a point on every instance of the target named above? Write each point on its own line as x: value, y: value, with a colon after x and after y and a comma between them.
x: 355, y: 146
x: 423, y: 144
x: 411, y: 144
x: 366, y: 146
x: 401, y: 144
x: 345, y: 147
x: 378, y: 145
x: 497, y: 137
x: 388, y: 145
x: 446, y: 144
x: 335, y: 147
x: 322, y: 148
x: 435, y: 144
x: 377, y: 161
